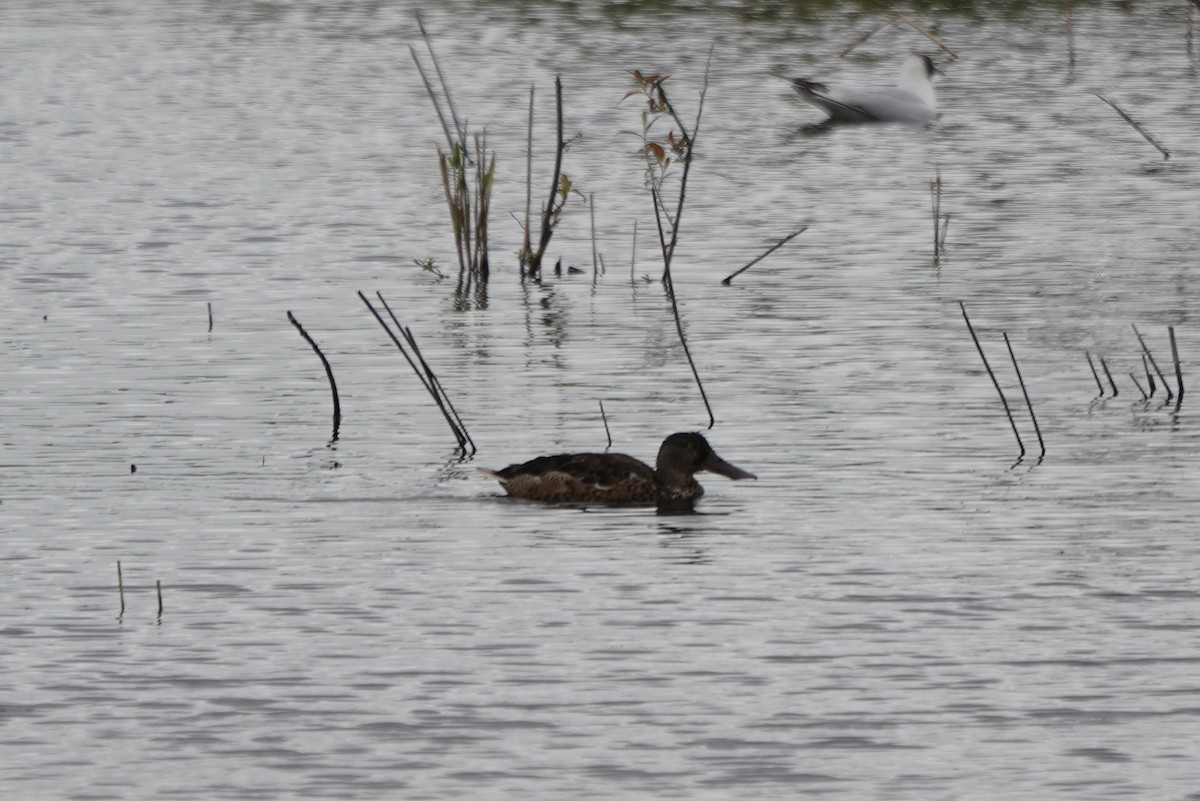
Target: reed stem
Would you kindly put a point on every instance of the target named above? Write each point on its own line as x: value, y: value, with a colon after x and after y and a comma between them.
x: 1153, y: 363
x: 1178, y: 370
x: 1095, y: 375
x: 1108, y: 375
x: 995, y: 383
x: 1028, y: 403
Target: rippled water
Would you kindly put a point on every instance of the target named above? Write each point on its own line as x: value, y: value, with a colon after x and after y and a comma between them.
x: 897, y: 608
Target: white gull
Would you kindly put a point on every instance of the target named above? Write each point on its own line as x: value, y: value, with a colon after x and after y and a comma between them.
x: 910, y: 100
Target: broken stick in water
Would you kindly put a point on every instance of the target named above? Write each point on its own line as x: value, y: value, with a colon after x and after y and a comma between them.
x: 1136, y: 127
x: 729, y: 278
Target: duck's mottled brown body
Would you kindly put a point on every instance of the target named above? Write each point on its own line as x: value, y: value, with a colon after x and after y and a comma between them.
x: 617, y: 478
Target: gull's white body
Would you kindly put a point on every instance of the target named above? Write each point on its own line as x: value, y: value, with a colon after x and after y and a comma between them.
x: 910, y: 100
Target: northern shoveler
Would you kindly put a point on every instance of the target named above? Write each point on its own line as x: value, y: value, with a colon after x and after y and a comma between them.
x: 617, y: 478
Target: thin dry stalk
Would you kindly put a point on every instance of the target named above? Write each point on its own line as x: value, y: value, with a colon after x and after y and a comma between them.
x: 1095, y: 375
x: 1153, y: 363
x: 527, y: 248
x: 554, y: 203
x: 633, y: 254
x: 434, y: 390
x: 337, y: 406
x: 1178, y: 369
x: 158, y: 589
x: 120, y: 590
x: 607, y: 433
x: 935, y: 195
x: 928, y: 34
x: 995, y: 383
x: 1029, y: 404
x: 458, y: 127
x: 1107, y: 374
x: 433, y: 382
x: 592, y: 212
x: 864, y: 37
x: 1149, y: 376
x: 1138, y: 384
x: 1070, y: 37
x: 727, y: 280
x: 1136, y: 127
x: 210, y: 320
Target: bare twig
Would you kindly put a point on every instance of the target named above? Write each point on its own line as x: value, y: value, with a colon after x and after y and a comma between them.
x: 1029, y: 404
x: 210, y: 320
x: 337, y: 406
x: 158, y: 589
x: 995, y: 383
x: 729, y: 278
x: 1149, y: 375
x: 120, y: 590
x: 1136, y: 127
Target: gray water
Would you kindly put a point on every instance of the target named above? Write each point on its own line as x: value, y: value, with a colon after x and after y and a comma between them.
x: 898, y: 608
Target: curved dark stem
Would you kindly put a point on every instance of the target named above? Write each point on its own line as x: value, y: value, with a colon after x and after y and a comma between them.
x: 337, y: 406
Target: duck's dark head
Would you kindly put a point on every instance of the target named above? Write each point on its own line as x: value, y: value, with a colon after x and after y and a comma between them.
x: 683, y: 455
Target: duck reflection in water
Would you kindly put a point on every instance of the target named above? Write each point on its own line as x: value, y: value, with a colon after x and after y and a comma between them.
x: 615, y: 478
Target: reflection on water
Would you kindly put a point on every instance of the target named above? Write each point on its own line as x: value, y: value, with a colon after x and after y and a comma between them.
x: 894, y: 609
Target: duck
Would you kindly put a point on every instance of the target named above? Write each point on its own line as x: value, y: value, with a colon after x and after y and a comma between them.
x: 911, y: 100
x: 614, y: 478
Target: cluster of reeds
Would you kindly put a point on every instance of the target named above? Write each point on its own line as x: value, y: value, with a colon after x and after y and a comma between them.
x: 1150, y: 369
x: 467, y: 171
